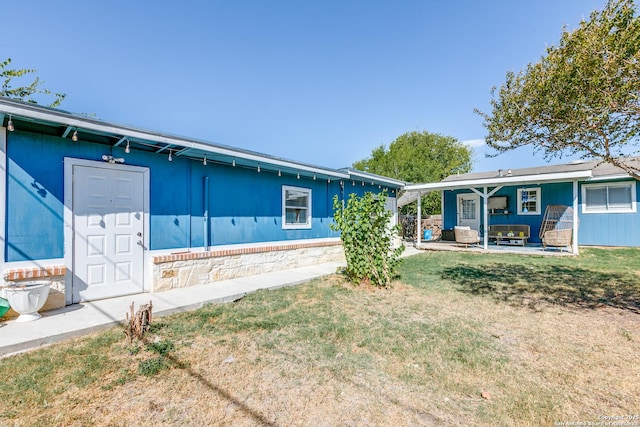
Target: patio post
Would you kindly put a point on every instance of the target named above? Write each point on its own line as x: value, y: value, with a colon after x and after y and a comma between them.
x: 485, y: 228
x: 574, y: 249
x: 419, y: 220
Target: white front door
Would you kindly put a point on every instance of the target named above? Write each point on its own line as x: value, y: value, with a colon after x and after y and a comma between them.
x: 469, y: 210
x: 108, y: 222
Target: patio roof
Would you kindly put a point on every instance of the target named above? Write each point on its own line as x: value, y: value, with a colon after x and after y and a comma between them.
x: 412, y: 191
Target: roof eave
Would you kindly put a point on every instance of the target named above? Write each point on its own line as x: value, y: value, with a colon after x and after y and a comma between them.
x: 378, y: 179
x: 500, y: 181
x: 45, y: 114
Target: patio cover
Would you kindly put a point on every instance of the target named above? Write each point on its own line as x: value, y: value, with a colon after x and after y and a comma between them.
x: 486, y: 186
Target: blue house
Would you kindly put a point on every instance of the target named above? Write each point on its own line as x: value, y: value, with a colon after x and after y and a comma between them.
x: 105, y: 210
x: 604, y: 197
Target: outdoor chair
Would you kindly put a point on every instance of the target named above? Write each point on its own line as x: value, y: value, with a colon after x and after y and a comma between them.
x: 466, y: 236
x: 557, y: 238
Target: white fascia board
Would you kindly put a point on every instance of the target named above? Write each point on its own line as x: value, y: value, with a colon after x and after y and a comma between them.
x: 376, y: 178
x: 611, y: 177
x: 508, y: 180
x: 34, y: 112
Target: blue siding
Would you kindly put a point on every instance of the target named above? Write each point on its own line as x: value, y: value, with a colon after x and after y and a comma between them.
x: 244, y: 206
x: 34, y: 194
x: 610, y: 229
x: 450, y: 218
x: 170, y: 222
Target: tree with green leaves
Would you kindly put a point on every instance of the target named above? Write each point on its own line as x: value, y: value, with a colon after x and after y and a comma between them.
x: 25, y: 93
x: 367, y: 238
x: 582, y: 98
x: 420, y: 157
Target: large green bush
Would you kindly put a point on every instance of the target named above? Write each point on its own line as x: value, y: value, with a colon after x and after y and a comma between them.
x: 367, y: 238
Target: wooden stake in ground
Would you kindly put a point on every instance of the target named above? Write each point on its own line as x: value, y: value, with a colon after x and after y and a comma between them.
x: 136, y: 325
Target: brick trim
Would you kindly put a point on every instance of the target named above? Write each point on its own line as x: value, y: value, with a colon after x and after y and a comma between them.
x: 34, y: 273
x: 240, y: 251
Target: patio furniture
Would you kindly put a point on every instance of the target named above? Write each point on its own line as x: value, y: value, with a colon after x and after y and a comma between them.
x: 557, y: 238
x: 556, y: 229
x: 510, y: 234
x: 448, y: 235
x: 466, y: 236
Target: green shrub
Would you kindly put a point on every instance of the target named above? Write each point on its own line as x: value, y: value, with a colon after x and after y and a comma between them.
x: 367, y: 238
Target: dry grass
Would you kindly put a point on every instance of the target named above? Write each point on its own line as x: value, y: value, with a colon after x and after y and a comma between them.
x: 454, y: 343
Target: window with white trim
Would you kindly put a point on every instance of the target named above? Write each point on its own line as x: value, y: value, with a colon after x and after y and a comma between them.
x: 529, y: 201
x: 617, y: 197
x: 296, y: 207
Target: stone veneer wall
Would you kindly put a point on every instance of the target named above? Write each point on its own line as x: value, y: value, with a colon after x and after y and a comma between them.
x: 199, y: 268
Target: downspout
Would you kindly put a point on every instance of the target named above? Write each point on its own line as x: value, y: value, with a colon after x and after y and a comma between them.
x: 205, y: 214
x: 575, y: 218
x: 190, y: 209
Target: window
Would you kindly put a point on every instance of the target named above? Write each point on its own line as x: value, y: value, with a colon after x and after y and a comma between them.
x: 296, y: 207
x: 529, y: 201
x: 468, y: 210
x: 611, y: 198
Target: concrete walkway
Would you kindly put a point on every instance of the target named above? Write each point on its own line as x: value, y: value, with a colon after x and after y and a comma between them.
x: 84, y: 318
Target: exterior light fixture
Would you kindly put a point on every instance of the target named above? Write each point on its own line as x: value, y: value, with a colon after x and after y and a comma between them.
x: 258, y: 168
x: 233, y: 163
x: 10, y: 126
x: 74, y: 137
x: 110, y: 159
x: 314, y: 176
x: 279, y: 173
x: 204, y: 161
x: 170, y: 158
x: 127, y: 149
x: 353, y: 183
x: 298, y: 175
x: 329, y: 180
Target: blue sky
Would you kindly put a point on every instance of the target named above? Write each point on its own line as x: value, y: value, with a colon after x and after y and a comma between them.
x: 321, y: 82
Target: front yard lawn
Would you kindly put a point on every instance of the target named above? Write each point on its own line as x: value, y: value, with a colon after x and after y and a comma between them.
x: 461, y: 339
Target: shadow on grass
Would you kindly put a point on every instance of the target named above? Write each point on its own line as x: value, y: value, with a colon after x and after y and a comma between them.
x: 527, y: 286
x: 166, y: 357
